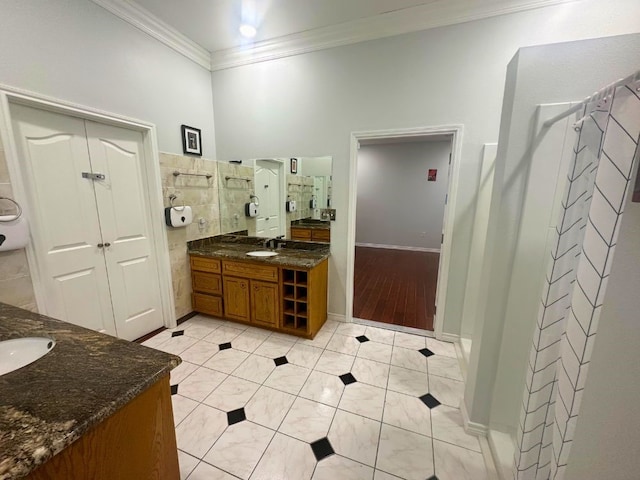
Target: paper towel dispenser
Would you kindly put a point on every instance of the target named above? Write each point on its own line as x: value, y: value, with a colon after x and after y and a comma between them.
x: 177, y: 216
x: 291, y: 206
x: 14, y: 231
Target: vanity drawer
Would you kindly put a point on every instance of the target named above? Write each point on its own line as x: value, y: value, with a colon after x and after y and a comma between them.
x: 250, y: 270
x: 207, y: 304
x: 205, y: 264
x: 321, y: 235
x: 206, y: 283
x: 300, y: 233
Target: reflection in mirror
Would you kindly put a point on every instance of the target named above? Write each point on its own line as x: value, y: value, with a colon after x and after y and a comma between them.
x: 291, y: 194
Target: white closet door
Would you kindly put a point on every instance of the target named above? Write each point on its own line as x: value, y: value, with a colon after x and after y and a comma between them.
x: 267, y: 181
x: 63, y: 219
x: 125, y: 218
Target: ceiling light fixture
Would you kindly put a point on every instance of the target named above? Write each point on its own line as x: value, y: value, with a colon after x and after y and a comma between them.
x: 248, y: 31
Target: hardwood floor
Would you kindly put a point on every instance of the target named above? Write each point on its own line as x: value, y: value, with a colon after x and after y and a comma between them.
x: 395, y: 286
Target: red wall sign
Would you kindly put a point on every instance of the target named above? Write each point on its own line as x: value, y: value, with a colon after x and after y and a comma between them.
x: 431, y: 177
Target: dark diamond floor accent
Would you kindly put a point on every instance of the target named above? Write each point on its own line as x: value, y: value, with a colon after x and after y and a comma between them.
x: 236, y: 416
x: 429, y: 400
x: 322, y: 448
x: 177, y: 333
x: 174, y: 389
x: 280, y: 361
x: 224, y: 346
x: 348, y: 378
x: 426, y: 352
x: 362, y: 339
x: 433, y: 477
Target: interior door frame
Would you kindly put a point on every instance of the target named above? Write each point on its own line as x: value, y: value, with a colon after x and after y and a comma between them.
x: 11, y: 95
x: 456, y: 132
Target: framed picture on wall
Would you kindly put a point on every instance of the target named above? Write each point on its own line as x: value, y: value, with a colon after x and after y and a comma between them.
x: 191, y: 140
x: 294, y: 165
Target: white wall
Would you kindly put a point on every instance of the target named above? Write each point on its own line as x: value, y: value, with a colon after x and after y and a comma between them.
x: 396, y: 204
x: 309, y: 104
x: 79, y: 52
x: 606, y: 439
x: 546, y: 74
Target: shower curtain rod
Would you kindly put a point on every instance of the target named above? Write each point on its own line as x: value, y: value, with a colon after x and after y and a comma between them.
x: 599, y: 94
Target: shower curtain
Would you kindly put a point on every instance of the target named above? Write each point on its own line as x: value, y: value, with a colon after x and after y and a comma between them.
x: 606, y: 146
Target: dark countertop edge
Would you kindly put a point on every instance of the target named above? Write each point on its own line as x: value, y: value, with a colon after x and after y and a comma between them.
x: 280, y: 262
x: 313, y: 227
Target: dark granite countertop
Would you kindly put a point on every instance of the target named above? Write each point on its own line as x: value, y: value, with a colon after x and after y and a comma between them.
x: 85, y: 378
x: 294, y: 254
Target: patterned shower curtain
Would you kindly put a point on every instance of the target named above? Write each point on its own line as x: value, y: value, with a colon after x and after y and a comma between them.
x: 606, y: 146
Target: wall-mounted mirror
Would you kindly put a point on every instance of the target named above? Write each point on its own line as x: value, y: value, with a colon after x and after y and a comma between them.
x: 292, y: 195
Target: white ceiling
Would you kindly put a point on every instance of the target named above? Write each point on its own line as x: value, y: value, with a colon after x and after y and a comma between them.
x: 213, y: 24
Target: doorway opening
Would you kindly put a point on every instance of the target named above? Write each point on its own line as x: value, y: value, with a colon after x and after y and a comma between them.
x: 400, y: 227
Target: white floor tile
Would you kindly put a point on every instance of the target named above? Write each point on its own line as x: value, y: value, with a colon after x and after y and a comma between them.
x: 232, y: 394
x: 200, y: 383
x: 307, y: 420
x: 457, y: 463
x: 378, y: 352
x: 330, y: 326
x: 198, y: 432
x: 355, y: 437
x: 408, y: 412
x: 239, y: 449
x: 441, y: 348
x: 182, y: 406
x: 288, y: 378
x: 444, y: 367
x: 255, y: 368
x: 343, y: 344
x: 249, y: 341
x: 226, y: 361
x: 380, y: 475
x: 368, y: 371
x: 406, y: 340
x: 199, y: 352
x: 323, y: 387
x: 352, y: 329
x: 408, y: 358
x: 447, y: 426
x: 363, y: 399
x: 285, y: 459
x: 177, y: 345
x: 410, y: 382
x: 187, y: 463
x: 336, y: 467
x: 223, y: 334
x: 157, y: 340
x: 304, y: 355
x: 182, y: 371
x: 320, y: 340
x: 405, y: 454
x: 380, y: 335
x: 274, y: 348
x: 334, y: 363
x: 268, y: 407
x: 204, y: 471
x: 197, y: 330
x: 447, y: 391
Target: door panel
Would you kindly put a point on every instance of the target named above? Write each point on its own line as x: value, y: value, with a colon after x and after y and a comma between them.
x: 265, y: 302
x: 64, y: 223
x: 268, y: 190
x: 125, y: 216
x: 236, y: 298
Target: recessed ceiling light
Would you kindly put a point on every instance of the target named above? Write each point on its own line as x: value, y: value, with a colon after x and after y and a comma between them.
x: 248, y: 31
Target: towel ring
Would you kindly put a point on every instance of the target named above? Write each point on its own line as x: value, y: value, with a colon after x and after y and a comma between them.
x: 172, y: 198
x: 256, y: 197
x: 18, y: 208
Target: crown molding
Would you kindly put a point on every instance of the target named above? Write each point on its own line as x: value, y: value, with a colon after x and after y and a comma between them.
x: 144, y: 20
x: 422, y: 17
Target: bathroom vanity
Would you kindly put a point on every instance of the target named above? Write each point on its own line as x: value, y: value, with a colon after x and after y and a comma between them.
x: 311, y: 230
x: 286, y: 292
x: 93, y: 407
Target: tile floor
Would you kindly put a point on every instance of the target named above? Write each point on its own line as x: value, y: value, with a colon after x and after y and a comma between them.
x: 356, y: 402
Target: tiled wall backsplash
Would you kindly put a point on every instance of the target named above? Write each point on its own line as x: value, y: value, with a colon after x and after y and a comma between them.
x: 234, y: 193
x: 16, y: 287
x: 202, y: 195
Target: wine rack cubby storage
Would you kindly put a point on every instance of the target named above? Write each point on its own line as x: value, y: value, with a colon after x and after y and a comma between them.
x: 295, y: 288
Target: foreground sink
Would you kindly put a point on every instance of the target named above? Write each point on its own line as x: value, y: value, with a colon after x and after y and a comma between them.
x: 262, y: 253
x: 20, y: 352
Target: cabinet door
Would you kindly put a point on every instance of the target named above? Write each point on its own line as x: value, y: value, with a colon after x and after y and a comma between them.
x: 236, y: 298
x: 265, y: 303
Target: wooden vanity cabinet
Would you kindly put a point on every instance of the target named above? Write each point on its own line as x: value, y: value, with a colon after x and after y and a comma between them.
x: 236, y: 298
x: 311, y: 234
x: 206, y: 283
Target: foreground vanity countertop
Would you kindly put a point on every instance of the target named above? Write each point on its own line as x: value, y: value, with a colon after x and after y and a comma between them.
x: 84, y: 379
x: 295, y: 254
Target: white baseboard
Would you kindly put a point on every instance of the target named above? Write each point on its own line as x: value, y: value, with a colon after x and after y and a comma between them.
x: 472, y: 428
x: 398, y: 247
x: 448, y: 337
x: 336, y: 317
x: 502, y: 452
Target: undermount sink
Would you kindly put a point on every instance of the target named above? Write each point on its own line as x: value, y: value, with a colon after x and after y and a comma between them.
x: 262, y: 253
x: 20, y: 352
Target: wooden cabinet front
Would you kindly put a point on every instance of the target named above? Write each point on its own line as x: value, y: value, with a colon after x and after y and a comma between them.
x: 300, y: 233
x: 206, y: 283
x: 265, y: 303
x: 236, y: 298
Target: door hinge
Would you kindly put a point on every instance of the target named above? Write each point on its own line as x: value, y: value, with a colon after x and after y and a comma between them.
x: 93, y: 176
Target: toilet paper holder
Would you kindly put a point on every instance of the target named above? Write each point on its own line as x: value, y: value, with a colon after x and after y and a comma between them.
x: 18, y: 213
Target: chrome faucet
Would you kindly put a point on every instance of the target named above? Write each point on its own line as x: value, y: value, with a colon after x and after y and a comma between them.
x: 274, y: 243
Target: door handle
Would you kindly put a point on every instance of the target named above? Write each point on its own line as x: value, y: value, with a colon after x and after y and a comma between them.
x: 107, y: 244
x: 93, y: 176
x: 103, y: 245
x: 100, y: 245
